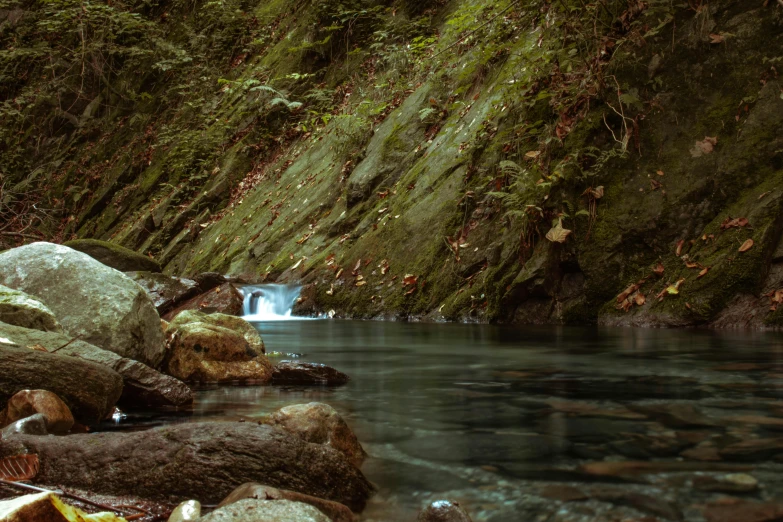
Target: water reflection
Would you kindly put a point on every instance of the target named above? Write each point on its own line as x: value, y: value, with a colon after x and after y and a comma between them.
x: 485, y: 414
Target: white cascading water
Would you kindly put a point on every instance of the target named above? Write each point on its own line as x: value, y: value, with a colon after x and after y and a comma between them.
x: 269, y: 302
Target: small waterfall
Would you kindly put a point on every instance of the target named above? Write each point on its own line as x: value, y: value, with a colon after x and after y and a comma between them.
x: 269, y: 302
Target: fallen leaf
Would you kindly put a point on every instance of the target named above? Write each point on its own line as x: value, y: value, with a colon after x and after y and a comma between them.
x: 357, y: 267
x: 717, y: 38
x: 409, y: 279
x: 655, y: 185
x: 680, y: 244
x: 660, y: 173
x: 733, y: 223
x: 658, y: 269
x: 384, y: 266
x: 361, y: 283
x: 747, y: 245
x: 37, y: 348
x: 381, y: 211
x: 689, y: 264
x: 627, y: 292
x: 331, y: 290
x: 703, y: 272
x: 533, y: 154
x: 19, y: 467
x: 639, y: 299
x: 764, y: 195
x: 558, y: 234
x: 675, y: 288
x: 339, y: 273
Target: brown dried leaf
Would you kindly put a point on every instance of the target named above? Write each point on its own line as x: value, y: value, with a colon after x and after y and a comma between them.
x: 717, y: 38
x: 658, y: 270
x: 19, y: 467
x: 627, y: 292
x: 409, y: 280
x: 639, y: 299
x: 703, y: 272
x: 680, y: 244
x: 733, y: 223
x: 558, y: 234
x: 704, y: 147
x: 747, y: 245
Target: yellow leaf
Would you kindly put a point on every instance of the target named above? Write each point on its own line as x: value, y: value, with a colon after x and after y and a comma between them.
x: 558, y: 234
x: 747, y: 245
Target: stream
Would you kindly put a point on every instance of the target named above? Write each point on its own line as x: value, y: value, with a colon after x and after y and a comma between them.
x: 506, y: 420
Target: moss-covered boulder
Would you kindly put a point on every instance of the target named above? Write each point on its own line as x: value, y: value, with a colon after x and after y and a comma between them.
x: 115, y: 256
x: 21, y: 309
x: 102, y: 306
x: 215, y: 348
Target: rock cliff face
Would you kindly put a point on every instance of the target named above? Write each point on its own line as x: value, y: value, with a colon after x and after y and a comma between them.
x: 409, y: 160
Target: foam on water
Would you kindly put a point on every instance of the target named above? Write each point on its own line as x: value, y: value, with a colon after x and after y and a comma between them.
x: 269, y: 302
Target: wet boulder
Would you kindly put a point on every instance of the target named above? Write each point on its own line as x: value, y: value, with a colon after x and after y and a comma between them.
x: 314, y: 374
x: 32, y: 425
x: 215, y: 348
x: 320, y: 424
x: 89, y: 390
x: 165, y: 291
x: 443, y: 511
x: 335, y: 511
x: 143, y: 386
x: 193, y: 460
x: 115, y: 256
x: 24, y: 310
x: 224, y: 299
x: 186, y: 511
x: 251, y: 510
x: 102, y: 306
x: 206, y: 281
x: 27, y: 403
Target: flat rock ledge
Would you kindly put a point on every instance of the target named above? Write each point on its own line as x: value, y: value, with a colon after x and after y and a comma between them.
x: 199, y: 460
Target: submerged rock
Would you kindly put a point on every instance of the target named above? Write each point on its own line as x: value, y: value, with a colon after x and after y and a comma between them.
x: 193, y: 460
x: 115, y: 256
x: 165, y: 291
x: 143, y: 386
x: 30, y: 402
x: 24, y: 310
x: 47, y: 507
x: 321, y: 424
x: 251, y: 510
x: 90, y: 390
x: 731, y: 483
x: 215, y: 348
x: 32, y: 425
x: 443, y: 511
x: 102, y: 306
x: 224, y: 299
x: 335, y: 511
x: 293, y: 372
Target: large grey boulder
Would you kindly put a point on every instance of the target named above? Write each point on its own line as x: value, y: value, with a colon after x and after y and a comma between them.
x: 90, y: 390
x: 102, y: 306
x: 193, y: 460
x: 20, y: 309
x: 252, y: 510
x: 144, y: 386
x: 115, y: 256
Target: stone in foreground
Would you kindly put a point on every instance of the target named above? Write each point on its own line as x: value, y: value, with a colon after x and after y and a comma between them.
x: 186, y: 511
x: 47, y: 507
x: 24, y: 310
x: 251, y: 510
x: 26, y: 403
x: 102, y: 306
x: 308, y: 374
x: 115, y: 256
x: 215, y: 348
x: 321, y: 424
x: 165, y: 291
x: 334, y: 510
x: 32, y: 425
x: 443, y: 511
x: 195, y: 460
x: 90, y: 390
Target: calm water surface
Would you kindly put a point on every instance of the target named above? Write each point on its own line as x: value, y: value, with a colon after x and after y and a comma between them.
x: 511, y: 422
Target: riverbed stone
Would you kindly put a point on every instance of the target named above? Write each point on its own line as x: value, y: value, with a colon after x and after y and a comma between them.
x: 320, y: 424
x: 115, y: 256
x: 186, y: 511
x: 215, y: 348
x: 485, y: 448
x: 32, y: 425
x: 205, y: 460
x: 307, y: 373
x: 165, y: 291
x: 334, y: 510
x: 252, y: 510
x: 143, y: 386
x: 90, y: 390
x: 25, y: 403
x: 443, y: 511
x: 21, y: 309
x: 753, y: 449
x: 731, y: 483
x: 744, y: 511
x: 102, y: 306
x: 224, y: 299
